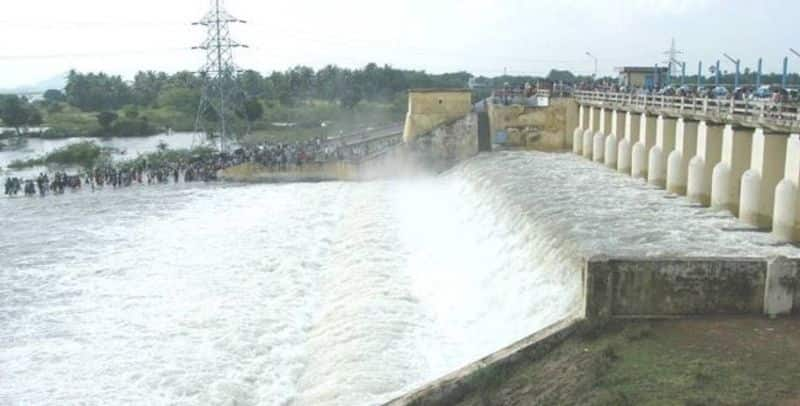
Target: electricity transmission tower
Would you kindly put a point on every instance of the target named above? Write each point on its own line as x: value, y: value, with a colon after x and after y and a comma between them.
x: 222, y: 99
x: 672, y: 59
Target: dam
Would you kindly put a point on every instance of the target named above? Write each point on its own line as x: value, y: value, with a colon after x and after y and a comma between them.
x: 237, y: 292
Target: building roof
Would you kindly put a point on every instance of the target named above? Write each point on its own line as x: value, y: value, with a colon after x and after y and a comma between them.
x: 439, y: 90
x: 641, y: 69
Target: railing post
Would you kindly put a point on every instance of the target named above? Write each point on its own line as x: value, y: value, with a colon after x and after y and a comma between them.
x: 705, y: 105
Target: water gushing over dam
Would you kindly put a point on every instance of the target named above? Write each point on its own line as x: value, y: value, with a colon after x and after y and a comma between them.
x: 330, y: 294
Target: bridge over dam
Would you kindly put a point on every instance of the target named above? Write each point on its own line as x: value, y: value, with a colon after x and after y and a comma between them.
x: 733, y: 155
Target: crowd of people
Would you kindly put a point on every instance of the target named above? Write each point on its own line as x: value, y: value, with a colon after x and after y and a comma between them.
x: 205, y: 168
x: 42, y: 184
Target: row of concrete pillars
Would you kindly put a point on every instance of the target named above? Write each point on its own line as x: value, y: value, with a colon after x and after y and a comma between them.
x: 752, y: 173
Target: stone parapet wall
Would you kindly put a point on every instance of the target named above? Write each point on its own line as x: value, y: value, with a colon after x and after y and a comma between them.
x: 659, y: 287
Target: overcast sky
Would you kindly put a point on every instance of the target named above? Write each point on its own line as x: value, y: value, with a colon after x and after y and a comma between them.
x: 44, y: 38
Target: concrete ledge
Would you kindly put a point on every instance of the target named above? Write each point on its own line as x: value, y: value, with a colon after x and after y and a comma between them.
x: 653, y: 287
x: 454, y: 387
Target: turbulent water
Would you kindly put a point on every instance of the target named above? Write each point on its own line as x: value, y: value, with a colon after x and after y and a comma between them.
x: 313, y: 294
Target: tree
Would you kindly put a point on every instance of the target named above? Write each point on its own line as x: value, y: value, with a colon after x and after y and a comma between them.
x: 183, y: 99
x: 35, y: 118
x: 252, y: 83
x: 54, y: 96
x: 561, y: 76
x: 253, y: 110
x: 97, y: 92
x: 16, y: 112
x: 147, y: 86
x: 351, y: 97
x: 106, y: 119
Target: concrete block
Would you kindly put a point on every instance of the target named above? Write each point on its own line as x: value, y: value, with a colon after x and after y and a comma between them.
x: 780, y: 288
x: 678, y: 286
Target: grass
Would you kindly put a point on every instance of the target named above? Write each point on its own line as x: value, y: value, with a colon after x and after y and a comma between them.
x: 736, y: 361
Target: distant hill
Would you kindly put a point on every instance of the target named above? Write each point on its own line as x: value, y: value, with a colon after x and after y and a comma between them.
x: 55, y: 82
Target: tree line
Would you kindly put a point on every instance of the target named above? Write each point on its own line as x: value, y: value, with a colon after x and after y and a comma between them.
x: 182, y: 90
x: 117, y: 103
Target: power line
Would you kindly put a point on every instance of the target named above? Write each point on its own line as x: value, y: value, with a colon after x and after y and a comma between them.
x: 92, y: 54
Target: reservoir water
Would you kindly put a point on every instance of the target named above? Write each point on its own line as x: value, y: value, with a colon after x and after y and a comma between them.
x: 125, y: 148
x: 314, y: 294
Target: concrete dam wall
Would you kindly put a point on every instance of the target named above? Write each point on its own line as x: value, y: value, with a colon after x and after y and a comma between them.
x: 533, y: 128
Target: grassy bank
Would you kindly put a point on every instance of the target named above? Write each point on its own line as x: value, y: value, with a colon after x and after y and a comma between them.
x: 735, y: 361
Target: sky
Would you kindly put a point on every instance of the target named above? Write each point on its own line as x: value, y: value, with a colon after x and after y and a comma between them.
x: 46, y: 38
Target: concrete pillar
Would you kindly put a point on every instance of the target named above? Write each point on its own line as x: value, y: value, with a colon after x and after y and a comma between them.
x: 678, y: 162
x: 588, y: 135
x: 786, y: 220
x: 612, y: 140
x: 625, y: 149
x: 573, y: 122
x: 767, y: 167
x: 599, y: 141
x: 665, y: 144
x: 647, y: 140
x: 577, y: 136
x: 737, y: 146
x: 608, y: 115
x: 701, y: 167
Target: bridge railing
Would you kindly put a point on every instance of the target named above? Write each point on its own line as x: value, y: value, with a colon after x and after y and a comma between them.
x: 748, y: 111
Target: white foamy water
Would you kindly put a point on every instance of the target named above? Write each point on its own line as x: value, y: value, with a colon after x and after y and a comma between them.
x: 313, y: 294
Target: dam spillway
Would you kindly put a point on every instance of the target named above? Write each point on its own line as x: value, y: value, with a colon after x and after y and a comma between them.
x: 335, y: 293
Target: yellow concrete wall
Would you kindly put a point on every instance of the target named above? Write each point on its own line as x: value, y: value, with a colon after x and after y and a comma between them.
x: 536, y: 128
x: 636, y: 79
x: 430, y: 108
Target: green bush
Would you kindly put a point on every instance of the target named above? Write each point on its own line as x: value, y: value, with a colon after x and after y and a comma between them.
x: 86, y: 154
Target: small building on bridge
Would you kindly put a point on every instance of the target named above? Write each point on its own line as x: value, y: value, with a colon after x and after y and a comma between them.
x: 642, y: 76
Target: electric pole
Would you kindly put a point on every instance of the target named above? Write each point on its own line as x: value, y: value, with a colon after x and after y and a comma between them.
x: 221, y: 98
x: 590, y: 55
